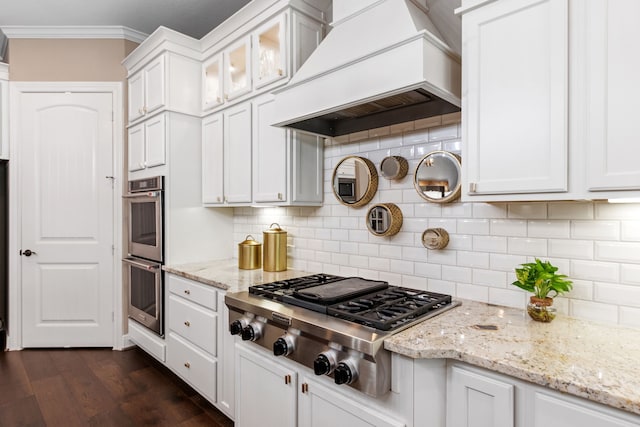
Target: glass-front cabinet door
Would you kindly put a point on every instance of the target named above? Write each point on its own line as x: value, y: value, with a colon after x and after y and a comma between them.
x: 237, y: 69
x: 212, y: 83
x: 269, y: 52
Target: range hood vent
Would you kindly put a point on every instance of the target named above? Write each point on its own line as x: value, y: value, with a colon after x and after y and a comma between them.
x: 380, y: 65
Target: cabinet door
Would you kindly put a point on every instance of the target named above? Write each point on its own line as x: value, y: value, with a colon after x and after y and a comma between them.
x: 307, y: 155
x: 193, y: 365
x: 307, y: 35
x: 154, y: 84
x: 269, y: 52
x: 237, y: 154
x: 270, y: 145
x: 612, y: 71
x: 136, y: 148
x: 320, y: 406
x: 551, y: 411
x: 265, y: 391
x: 155, y: 137
x: 212, y: 83
x: 516, y: 83
x: 474, y: 400
x: 212, y: 160
x: 136, y: 96
x: 4, y: 119
x: 237, y: 68
x: 226, y: 362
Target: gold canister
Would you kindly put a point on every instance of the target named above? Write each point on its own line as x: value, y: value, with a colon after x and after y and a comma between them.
x: 275, y: 248
x: 249, y: 254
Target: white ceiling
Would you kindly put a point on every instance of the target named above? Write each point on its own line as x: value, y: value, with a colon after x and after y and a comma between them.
x: 192, y: 17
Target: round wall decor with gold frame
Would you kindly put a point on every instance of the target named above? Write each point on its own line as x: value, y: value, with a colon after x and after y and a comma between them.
x: 438, y: 177
x: 355, y: 181
x: 394, y: 167
x: 384, y: 219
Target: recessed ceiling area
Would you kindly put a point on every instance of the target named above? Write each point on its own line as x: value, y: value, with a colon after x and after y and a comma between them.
x: 191, y: 17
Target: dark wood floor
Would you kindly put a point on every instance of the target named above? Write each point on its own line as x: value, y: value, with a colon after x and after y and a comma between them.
x: 97, y: 387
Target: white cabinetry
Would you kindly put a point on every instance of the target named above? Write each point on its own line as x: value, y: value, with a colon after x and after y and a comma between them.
x: 478, y: 398
x: 147, y: 144
x: 199, y: 348
x: 4, y: 111
x: 161, y: 84
x: 288, y: 397
x: 270, y: 51
x: 549, y: 99
x: 478, y: 401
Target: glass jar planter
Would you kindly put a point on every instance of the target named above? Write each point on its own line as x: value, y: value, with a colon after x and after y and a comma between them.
x: 541, y: 309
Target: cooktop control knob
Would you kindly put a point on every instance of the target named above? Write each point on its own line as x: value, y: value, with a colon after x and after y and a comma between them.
x: 236, y: 327
x: 283, y: 346
x: 345, y: 373
x: 252, y: 332
x: 325, y: 363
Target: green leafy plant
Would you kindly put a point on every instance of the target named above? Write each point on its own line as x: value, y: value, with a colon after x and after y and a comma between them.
x: 540, y: 278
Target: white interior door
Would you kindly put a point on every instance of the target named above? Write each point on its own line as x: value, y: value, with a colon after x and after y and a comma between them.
x: 66, y: 202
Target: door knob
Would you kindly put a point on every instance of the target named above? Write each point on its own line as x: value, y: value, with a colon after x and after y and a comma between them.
x: 27, y: 252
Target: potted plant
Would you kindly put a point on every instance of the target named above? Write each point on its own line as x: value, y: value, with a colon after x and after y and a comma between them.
x: 540, y: 278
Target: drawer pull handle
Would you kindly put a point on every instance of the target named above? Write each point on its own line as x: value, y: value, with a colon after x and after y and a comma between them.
x: 187, y: 323
x: 287, y: 379
x: 187, y: 291
x: 305, y: 387
x: 187, y: 365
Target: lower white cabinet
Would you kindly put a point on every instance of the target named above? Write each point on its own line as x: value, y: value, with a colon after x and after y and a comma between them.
x: 198, y: 345
x: 275, y: 392
x: 479, y: 398
x: 474, y: 400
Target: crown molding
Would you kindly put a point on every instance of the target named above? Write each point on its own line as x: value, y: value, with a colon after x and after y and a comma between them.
x: 73, y: 32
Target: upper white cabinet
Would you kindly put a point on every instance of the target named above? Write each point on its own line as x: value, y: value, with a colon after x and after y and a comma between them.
x: 4, y: 111
x: 147, y: 144
x: 549, y: 100
x: 515, y: 108
x: 212, y: 83
x: 169, y: 81
x: 612, y: 68
x: 237, y: 69
x: 270, y: 51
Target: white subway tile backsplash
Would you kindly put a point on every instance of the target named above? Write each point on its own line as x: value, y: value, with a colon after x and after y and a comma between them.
x: 581, y: 249
x: 525, y: 246
x: 456, y: 274
x: 595, y: 230
x: 597, y: 244
x: 472, y: 292
x: 618, y: 251
x: 543, y: 228
x: 473, y: 259
x: 490, y: 244
x: 630, y: 274
x: 489, y: 210
x: 594, y: 270
x: 593, y: 311
x: 508, y: 227
x: 473, y: 226
x: 631, y: 230
x: 508, y: 297
x: 528, y: 210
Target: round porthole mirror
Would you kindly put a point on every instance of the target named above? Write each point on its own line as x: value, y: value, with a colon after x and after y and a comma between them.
x: 437, y: 177
x: 355, y: 181
x: 384, y: 219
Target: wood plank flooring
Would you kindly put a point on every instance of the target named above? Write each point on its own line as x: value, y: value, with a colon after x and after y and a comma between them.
x: 97, y: 387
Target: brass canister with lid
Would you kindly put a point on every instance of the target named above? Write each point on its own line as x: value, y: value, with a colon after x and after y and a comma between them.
x: 249, y: 254
x: 275, y: 248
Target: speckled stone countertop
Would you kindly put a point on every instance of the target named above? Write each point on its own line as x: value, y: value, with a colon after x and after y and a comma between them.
x: 594, y: 361
x: 226, y: 275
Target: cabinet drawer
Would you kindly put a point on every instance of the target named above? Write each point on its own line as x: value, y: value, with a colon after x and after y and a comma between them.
x: 192, y: 291
x: 194, y: 323
x: 193, y: 365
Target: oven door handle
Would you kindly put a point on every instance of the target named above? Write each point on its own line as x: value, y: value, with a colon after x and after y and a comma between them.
x: 147, y: 194
x: 146, y: 266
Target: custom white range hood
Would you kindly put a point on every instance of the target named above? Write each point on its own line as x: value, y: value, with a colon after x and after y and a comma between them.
x: 382, y: 63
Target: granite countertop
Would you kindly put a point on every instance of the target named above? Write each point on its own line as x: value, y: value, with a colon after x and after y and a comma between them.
x: 590, y: 360
x: 226, y: 275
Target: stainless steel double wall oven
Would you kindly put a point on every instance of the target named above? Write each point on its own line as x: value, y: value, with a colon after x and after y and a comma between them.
x: 143, y: 264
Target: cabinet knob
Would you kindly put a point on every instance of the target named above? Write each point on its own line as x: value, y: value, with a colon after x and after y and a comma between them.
x: 279, y: 196
x: 226, y: 200
x: 218, y: 199
x: 472, y: 187
x: 304, y: 387
x: 218, y: 99
x: 187, y: 323
x: 226, y: 96
x: 280, y: 72
x: 187, y: 365
x: 287, y: 379
x: 187, y: 292
x: 144, y: 110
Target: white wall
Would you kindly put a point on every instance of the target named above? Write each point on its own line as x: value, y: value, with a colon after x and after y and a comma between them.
x: 596, y: 244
